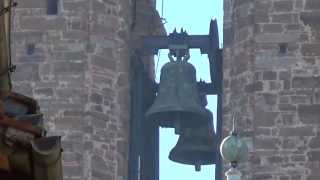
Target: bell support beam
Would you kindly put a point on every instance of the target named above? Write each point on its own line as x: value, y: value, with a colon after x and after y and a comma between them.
x: 152, y: 44
x: 208, y: 44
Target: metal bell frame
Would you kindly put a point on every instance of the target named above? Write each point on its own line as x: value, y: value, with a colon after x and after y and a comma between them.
x: 144, y: 137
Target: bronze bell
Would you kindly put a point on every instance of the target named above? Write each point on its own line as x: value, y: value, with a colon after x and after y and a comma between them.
x: 177, y: 104
x: 196, y: 146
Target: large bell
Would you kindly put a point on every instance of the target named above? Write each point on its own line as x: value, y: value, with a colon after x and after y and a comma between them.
x: 196, y: 146
x: 177, y: 104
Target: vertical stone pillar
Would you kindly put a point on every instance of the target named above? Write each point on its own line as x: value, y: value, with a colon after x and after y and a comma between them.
x: 76, y: 65
x: 272, y: 77
x: 238, y: 69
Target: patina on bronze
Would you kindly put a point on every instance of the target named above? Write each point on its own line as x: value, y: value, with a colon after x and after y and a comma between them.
x: 196, y: 146
x: 177, y: 104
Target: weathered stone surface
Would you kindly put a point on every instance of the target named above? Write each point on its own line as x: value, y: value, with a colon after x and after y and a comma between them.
x: 277, y: 38
x: 266, y: 119
x: 266, y: 143
x: 79, y: 72
x: 27, y: 72
x: 312, y: 5
x: 269, y: 75
x: 296, y: 131
x: 282, y: 63
x: 314, y: 155
x: 31, y: 4
x: 309, y: 114
x: 272, y: 28
x: 258, y: 86
x: 315, y: 142
x: 306, y: 82
x: 283, y: 6
x: 311, y: 49
x: 42, y: 24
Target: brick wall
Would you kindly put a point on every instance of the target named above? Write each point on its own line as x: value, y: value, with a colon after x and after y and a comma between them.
x: 272, y: 78
x: 76, y: 65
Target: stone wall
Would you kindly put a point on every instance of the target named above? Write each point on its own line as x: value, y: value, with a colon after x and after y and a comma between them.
x: 272, y: 80
x: 76, y: 65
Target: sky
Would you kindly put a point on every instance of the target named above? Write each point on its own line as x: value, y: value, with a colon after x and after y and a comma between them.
x: 194, y: 17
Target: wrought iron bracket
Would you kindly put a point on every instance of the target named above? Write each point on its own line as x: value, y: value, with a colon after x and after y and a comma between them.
x: 208, y: 44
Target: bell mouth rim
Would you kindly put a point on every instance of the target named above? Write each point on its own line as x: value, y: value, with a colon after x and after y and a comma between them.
x: 207, y: 159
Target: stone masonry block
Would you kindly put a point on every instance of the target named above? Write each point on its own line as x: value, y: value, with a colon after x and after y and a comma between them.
x: 257, y: 86
x: 282, y: 18
x: 277, y: 38
x: 306, y: 82
x: 296, y: 131
x: 27, y: 72
x: 312, y: 5
x: 311, y: 49
x: 310, y: 18
x: 31, y: 3
x: 315, y: 142
x: 267, y: 143
x: 272, y: 28
x: 269, y: 75
x: 283, y: 6
x: 69, y: 67
x: 41, y: 23
x: 265, y: 119
x: 104, y: 62
x: 309, y: 114
x: 314, y: 155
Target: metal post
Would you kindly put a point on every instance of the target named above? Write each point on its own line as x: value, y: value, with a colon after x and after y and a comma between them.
x: 144, y: 136
x: 219, y: 66
x: 137, y: 113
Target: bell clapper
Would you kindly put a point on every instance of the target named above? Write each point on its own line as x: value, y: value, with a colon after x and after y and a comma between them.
x: 197, y: 167
x: 170, y: 56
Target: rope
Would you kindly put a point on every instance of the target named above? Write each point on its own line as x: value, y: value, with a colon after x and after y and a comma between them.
x: 164, y: 21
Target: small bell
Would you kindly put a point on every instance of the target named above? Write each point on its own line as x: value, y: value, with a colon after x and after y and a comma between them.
x: 196, y: 146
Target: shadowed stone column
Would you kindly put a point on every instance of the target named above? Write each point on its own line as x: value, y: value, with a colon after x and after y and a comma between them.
x: 76, y: 65
x: 272, y: 70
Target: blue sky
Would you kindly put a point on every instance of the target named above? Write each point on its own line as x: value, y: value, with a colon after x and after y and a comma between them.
x: 193, y: 16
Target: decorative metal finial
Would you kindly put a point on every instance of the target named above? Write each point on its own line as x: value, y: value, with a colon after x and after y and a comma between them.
x: 234, y: 132
x: 233, y: 149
